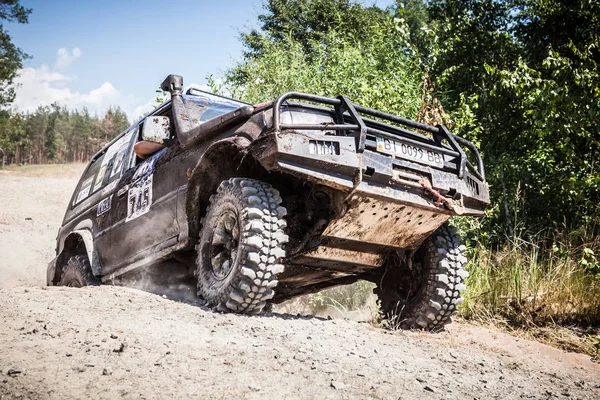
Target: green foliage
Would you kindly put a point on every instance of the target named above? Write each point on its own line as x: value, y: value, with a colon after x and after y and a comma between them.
x: 529, y: 100
x: 557, y: 24
x: 595, y: 340
x: 161, y: 97
x: 11, y: 57
x: 589, y: 261
x: 415, y: 13
x: 306, y: 22
x: 329, y: 47
x: 528, y: 93
x: 468, y: 36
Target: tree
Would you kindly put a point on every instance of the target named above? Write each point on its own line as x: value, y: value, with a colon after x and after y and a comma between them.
x: 36, y: 127
x: 52, y: 139
x: 13, y: 137
x: 114, y: 121
x: 329, y: 47
x: 518, y: 78
x: 470, y: 35
x: 11, y: 57
x: 558, y: 24
x: 54, y: 134
x: 309, y: 21
x: 416, y: 15
x: 527, y: 92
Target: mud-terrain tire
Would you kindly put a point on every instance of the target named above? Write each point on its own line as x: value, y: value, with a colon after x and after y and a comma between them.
x: 241, y: 244
x: 426, y: 295
x: 77, y: 272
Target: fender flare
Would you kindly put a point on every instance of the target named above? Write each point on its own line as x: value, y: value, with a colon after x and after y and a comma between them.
x: 220, y: 161
x: 72, y: 241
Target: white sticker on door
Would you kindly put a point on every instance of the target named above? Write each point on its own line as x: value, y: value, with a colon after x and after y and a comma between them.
x: 139, y: 198
x: 104, y: 206
x: 85, y: 190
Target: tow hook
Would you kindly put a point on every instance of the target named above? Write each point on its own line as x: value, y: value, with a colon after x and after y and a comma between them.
x: 453, y: 205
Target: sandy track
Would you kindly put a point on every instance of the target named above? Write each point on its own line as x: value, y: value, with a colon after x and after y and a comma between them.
x: 31, y: 211
x: 63, y: 340
x: 111, y: 342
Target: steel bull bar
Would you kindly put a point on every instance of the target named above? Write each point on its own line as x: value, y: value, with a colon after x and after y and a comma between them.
x: 344, y: 110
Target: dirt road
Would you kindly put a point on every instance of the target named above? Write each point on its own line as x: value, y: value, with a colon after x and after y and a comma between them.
x: 111, y: 342
x: 31, y: 210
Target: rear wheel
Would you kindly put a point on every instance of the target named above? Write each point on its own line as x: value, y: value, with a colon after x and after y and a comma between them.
x: 424, y: 294
x: 241, y: 244
x: 78, y: 273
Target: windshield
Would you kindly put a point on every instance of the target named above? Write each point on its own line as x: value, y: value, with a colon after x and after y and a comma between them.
x: 202, y: 107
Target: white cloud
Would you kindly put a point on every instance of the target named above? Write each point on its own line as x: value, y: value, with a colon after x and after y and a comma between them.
x: 64, y: 58
x: 42, y: 86
x: 142, y: 109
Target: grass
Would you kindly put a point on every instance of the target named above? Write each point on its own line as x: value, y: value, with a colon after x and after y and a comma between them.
x: 546, y: 288
x: 60, y: 171
x: 528, y: 285
x: 355, y: 301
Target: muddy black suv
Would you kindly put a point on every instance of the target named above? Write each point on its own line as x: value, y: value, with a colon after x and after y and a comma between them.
x: 261, y: 203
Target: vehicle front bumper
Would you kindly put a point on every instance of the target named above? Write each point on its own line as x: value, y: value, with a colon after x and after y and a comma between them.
x: 383, y: 177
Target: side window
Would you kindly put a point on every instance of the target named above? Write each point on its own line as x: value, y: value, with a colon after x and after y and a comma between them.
x: 85, y: 189
x: 161, y: 127
x: 105, y: 168
x: 114, y: 161
x: 134, y: 158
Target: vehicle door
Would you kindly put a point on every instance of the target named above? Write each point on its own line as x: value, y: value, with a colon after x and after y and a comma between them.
x: 104, y: 187
x: 143, y: 213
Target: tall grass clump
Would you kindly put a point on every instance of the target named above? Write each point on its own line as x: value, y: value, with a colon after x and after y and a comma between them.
x: 536, y: 280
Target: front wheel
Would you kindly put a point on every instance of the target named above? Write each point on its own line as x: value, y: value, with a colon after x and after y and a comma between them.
x: 424, y: 294
x: 240, y: 247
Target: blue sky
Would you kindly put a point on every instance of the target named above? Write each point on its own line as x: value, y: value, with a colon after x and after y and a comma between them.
x: 116, y: 52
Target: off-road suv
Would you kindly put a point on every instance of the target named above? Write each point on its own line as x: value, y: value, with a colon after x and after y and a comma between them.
x: 266, y: 202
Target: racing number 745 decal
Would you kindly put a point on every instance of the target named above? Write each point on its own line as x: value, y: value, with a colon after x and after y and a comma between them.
x: 139, y: 198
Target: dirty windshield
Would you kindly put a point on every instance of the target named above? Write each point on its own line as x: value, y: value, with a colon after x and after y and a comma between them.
x: 203, y: 107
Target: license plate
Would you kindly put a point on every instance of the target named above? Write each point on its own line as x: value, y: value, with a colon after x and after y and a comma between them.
x: 410, y: 151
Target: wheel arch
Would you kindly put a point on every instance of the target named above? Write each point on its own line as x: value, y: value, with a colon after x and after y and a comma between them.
x: 78, y: 242
x: 224, y: 159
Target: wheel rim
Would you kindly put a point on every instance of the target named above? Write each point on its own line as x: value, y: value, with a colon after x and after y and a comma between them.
x: 224, y: 245
x: 410, y: 281
x: 413, y: 282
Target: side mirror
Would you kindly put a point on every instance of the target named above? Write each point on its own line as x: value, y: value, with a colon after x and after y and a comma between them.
x: 156, y: 129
